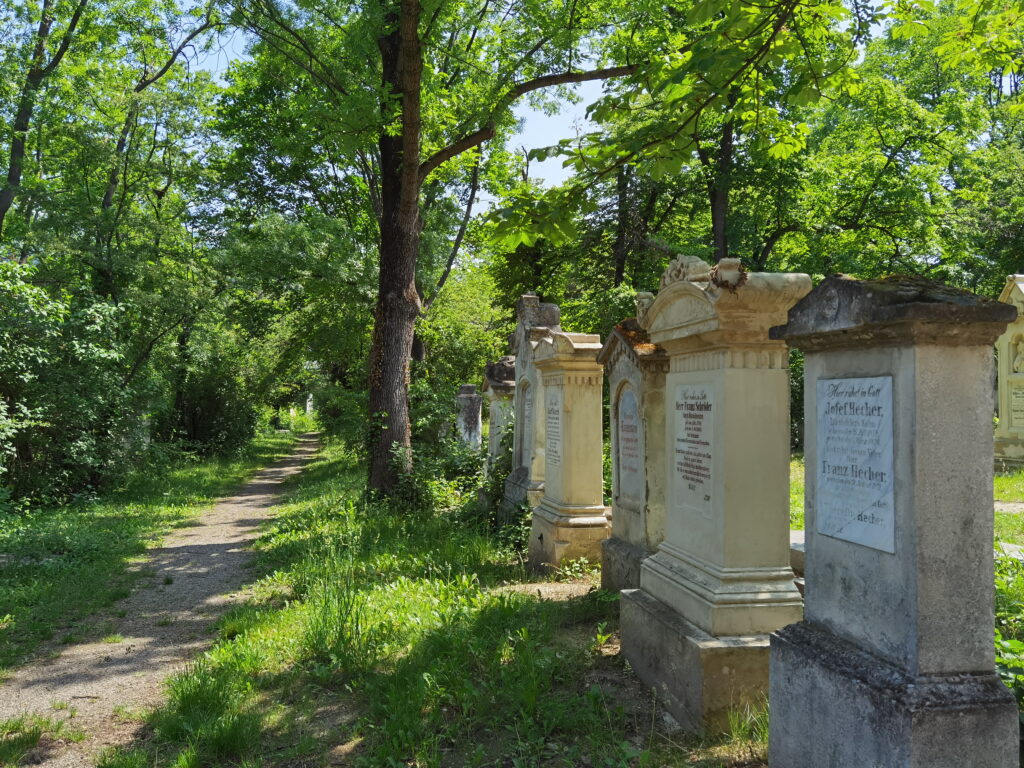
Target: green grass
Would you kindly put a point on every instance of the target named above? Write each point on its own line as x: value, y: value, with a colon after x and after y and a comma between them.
x: 1009, y: 486
x: 393, y: 636
x: 796, y: 493
x: 58, y: 566
x: 19, y: 736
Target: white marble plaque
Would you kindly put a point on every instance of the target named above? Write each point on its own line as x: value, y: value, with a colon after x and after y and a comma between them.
x: 1017, y: 405
x: 630, y: 455
x: 694, y: 425
x: 553, y: 425
x: 854, y: 472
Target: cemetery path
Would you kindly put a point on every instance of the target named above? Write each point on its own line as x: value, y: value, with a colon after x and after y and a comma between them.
x: 195, y: 576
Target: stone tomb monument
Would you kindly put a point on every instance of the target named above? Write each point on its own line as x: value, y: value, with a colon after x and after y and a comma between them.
x: 636, y: 371
x: 697, y: 628
x: 535, y: 322
x: 894, y: 662
x: 469, y: 421
x: 499, y: 389
x: 1009, y: 447
x: 571, y: 520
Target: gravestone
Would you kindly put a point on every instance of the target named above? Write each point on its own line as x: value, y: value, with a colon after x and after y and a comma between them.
x: 469, y: 422
x: 535, y: 321
x: 636, y: 371
x: 697, y: 628
x: 1009, y: 437
x: 894, y: 662
x: 571, y: 520
x: 499, y: 389
x: 309, y: 404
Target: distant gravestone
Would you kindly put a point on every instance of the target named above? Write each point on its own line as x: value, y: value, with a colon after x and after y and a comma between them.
x: 499, y: 389
x: 1009, y: 436
x: 469, y: 419
x: 636, y: 371
x: 535, y: 321
x: 697, y: 628
x: 894, y: 662
x: 571, y: 521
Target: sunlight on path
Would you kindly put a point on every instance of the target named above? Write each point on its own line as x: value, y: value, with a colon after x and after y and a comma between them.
x: 196, y: 576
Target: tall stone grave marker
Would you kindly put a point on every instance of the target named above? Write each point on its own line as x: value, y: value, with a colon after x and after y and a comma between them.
x: 636, y: 371
x: 499, y: 389
x: 571, y: 520
x: 469, y: 421
x: 697, y: 628
x: 535, y: 322
x: 894, y: 662
x: 1009, y: 446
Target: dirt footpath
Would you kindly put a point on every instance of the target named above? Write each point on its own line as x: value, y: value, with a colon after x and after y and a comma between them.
x: 196, y: 576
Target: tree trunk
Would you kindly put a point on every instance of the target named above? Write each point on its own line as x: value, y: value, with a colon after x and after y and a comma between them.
x: 620, y: 249
x: 398, y: 301
x: 720, y: 193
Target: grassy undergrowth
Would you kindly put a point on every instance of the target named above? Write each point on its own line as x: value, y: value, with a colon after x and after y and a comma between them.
x: 384, y: 636
x: 26, y: 738
x: 60, y: 565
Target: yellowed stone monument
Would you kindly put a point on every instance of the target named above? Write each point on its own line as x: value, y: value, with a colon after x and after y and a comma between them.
x: 636, y: 371
x: 535, y: 323
x: 1009, y: 437
x: 571, y: 520
x: 697, y: 628
x: 499, y: 389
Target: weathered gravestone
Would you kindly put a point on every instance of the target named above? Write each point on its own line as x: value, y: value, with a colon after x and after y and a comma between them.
x: 535, y: 322
x: 469, y: 421
x: 894, y: 662
x: 499, y: 389
x: 571, y: 520
x: 1009, y: 438
x: 697, y: 629
x: 636, y: 371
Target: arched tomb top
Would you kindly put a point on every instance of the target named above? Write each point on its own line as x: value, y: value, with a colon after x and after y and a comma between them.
x: 1013, y: 293
x: 730, y: 301
x: 569, y: 349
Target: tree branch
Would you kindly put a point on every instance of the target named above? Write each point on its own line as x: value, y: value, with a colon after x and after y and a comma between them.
x: 486, y: 132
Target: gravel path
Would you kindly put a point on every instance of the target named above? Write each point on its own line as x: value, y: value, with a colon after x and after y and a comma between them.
x: 197, y: 575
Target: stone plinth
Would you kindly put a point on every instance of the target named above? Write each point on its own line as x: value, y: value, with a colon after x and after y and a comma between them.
x: 499, y: 389
x: 525, y: 484
x: 636, y: 371
x: 894, y: 662
x: 1009, y: 436
x: 721, y: 581
x: 571, y: 520
x: 468, y: 422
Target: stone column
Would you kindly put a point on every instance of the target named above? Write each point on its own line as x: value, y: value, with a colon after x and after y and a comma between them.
x: 570, y: 521
x: 720, y: 582
x: 636, y: 371
x: 1009, y: 445
x: 499, y: 389
x: 894, y: 663
x: 469, y: 421
x: 535, y: 323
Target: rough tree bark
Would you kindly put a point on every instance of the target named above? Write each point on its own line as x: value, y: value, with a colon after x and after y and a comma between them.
x: 398, y: 301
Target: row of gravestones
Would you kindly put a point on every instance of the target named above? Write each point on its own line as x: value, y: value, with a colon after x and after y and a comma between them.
x: 888, y: 659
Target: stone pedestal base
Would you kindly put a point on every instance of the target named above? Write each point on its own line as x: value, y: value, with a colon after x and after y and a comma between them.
x: 620, y: 564
x: 518, y: 491
x: 1009, y: 454
x: 699, y: 677
x: 834, y: 706
x: 567, y: 533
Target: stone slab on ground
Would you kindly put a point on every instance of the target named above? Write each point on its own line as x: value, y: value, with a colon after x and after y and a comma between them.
x: 198, y: 573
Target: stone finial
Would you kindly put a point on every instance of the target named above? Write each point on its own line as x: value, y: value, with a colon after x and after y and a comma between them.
x: 688, y: 268
x: 501, y: 372
x: 532, y: 313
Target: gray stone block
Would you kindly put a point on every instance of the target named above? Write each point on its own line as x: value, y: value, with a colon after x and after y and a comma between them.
x: 620, y: 564
x: 834, y: 705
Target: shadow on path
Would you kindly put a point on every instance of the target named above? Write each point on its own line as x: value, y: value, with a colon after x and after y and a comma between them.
x: 196, y: 576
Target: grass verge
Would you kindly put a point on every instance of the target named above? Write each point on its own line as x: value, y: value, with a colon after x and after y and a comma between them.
x: 60, y: 565
x: 395, y: 637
